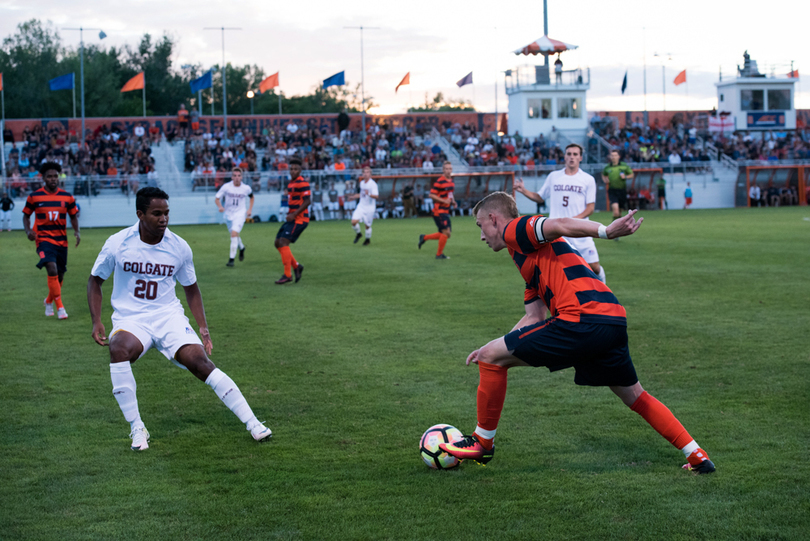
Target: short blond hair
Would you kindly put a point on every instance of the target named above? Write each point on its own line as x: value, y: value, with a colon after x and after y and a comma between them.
x: 237, y: 170
x: 500, y: 202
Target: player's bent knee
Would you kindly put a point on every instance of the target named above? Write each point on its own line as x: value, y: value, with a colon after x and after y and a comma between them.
x: 234, y: 234
x: 193, y: 357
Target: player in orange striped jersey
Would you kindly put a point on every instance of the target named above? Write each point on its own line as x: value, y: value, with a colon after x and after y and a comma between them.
x: 51, y: 206
x: 297, y: 220
x: 442, y: 196
x: 587, y: 329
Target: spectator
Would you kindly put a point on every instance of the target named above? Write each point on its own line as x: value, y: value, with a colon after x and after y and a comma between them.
x: 754, y: 194
x: 182, y: 121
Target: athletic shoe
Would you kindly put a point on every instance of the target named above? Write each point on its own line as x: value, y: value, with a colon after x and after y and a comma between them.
x: 62, y: 313
x: 261, y: 433
x: 140, y: 439
x: 284, y: 279
x: 442, y: 257
x: 699, y: 462
x: 366, y: 242
x: 357, y: 237
x: 421, y: 241
x: 48, y: 308
x: 229, y: 263
x: 298, y: 271
x: 242, y: 254
x: 469, y: 448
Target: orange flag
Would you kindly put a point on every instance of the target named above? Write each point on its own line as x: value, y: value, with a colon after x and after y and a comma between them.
x: 681, y: 78
x: 270, y: 82
x: 793, y: 75
x: 1, y: 81
x: 405, y: 81
x: 136, y: 83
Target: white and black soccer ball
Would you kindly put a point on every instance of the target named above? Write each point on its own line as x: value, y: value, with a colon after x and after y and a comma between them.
x: 429, y: 446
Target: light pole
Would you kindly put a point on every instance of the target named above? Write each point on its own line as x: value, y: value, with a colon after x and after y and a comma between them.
x: 362, y: 71
x: 101, y: 35
x: 250, y: 95
x: 664, y: 74
x: 224, y: 94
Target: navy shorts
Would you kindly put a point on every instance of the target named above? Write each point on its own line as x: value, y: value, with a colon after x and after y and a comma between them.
x: 598, y: 352
x: 51, y: 253
x: 442, y: 221
x: 291, y: 231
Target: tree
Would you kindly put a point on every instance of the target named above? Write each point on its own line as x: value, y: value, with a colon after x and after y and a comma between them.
x: 438, y: 103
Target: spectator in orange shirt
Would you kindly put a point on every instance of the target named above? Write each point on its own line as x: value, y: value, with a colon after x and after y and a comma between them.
x: 182, y: 120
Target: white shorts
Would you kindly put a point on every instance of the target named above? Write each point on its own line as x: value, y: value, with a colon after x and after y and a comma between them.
x: 334, y: 206
x: 235, y: 222
x: 317, y: 206
x: 167, y: 331
x: 350, y: 205
x: 586, y: 248
x: 364, y: 214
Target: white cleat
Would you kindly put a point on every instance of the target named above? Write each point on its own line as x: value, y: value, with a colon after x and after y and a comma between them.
x: 140, y: 439
x: 61, y: 313
x: 48, y: 308
x: 261, y: 433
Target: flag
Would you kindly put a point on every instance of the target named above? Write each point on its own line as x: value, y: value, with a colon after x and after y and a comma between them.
x: 624, y: 82
x: 335, y: 80
x: 681, y: 78
x: 270, y: 82
x: 793, y: 75
x: 1, y: 81
x: 405, y: 81
x: 467, y: 80
x: 65, y: 82
x: 136, y: 83
x: 201, y: 83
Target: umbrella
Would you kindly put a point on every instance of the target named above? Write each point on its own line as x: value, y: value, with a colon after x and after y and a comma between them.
x: 545, y: 46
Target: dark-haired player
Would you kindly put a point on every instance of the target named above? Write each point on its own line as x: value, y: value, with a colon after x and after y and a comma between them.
x: 51, y: 206
x: 297, y: 220
x: 587, y: 329
x: 148, y: 260
x: 442, y: 196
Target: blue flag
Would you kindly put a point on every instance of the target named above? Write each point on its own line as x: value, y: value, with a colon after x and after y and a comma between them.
x: 65, y: 82
x: 467, y: 80
x: 624, y: 83
x: 206, y: 81
x: 337, y: 79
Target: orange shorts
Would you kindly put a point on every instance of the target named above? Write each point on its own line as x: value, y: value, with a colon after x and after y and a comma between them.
x: 195, y: 125
x: 688, y: 200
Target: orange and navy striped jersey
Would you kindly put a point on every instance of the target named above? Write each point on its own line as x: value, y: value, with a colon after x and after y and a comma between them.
x: 555, y: 273
x: 442, y: 188
x: 51, y: 210
x: 298, y: 190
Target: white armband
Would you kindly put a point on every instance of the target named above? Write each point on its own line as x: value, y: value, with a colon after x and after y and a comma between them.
x: 538, y: 230
x: 603, y: 232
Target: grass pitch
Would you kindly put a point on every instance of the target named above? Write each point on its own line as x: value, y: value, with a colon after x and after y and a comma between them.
x: 352, y: 364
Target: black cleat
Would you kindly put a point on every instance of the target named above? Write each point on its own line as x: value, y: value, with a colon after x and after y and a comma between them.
x: 298, y: 271
x: 357, y: 237
x: 366, y: 242
x: 442, y: 257
x: 421, y: 241
x: 284, y: 280
x: 229, y: 263
x: 704, y: 465
x: 242, y: 254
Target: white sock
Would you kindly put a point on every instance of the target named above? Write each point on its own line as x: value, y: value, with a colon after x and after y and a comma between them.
x: 601, y: 274
x: 368, y: 232
x: 486, y: 434
x: 124, y: 392
x: 356, y: 228
x: 241, y: 244
x: 231, y: 396
x: 690, y: 448
x: 234, y: 245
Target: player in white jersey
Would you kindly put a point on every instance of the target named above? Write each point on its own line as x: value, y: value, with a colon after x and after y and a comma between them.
x: 231, y: 200
x: 570, y: 193
x: 367, y: 206
x: 148, y: 260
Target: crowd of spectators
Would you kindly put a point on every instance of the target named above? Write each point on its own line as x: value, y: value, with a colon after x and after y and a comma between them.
x: 478, y: 150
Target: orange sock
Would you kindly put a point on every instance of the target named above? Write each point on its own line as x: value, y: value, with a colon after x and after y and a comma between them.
x: 491, y: 395
x: 662, y: 420
x: 293, y: 262
x: 442, y: 242
x: 433, y: 236
x: 286, y: 260
x: 54, y: 291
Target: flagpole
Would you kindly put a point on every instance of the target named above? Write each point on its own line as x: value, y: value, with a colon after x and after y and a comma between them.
x: 143, y: 93
x: 362, y: 72
x: 74, y: 94
x: 279, y: 104
x: 224, y: 82
x: 101, y: 35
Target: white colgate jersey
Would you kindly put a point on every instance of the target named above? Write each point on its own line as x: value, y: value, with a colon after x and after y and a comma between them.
x: 367, y: 189
x: 568, y: 195
x: 233, y: 198
x: 145, y: 274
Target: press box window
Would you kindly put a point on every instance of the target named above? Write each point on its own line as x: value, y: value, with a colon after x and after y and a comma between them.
x: 752, y: 100
x: 778, y: 99
x: 539, y: 108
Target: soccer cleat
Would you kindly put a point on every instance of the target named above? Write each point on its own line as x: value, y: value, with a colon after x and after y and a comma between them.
x: 229, y: 263
x: 699, y: 462
x: 421, y: 241
x: 261, y: 433
x: 61, y: 313
x: 284, y: 279
x: 140, y: 439
x: 366, y: 242
x: 48, y: 308
x: 298, y: 271
x: 242, y: 254
x: 469, y: 448
x: 357, y: 237
x: 442, y: 257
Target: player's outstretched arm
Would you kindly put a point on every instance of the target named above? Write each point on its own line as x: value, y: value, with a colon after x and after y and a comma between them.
x: 554, y: 228
x: 519, y: 186
x: 94, y: 297
x: 195, y: 303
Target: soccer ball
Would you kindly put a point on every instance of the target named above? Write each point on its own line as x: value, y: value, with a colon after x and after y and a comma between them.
x: 429, y: 446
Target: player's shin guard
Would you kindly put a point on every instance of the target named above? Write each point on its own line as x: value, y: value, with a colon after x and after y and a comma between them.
x: 54, y: 291
x: 356, y: 228
x: 442, y: 242
x: 490, y: 399
x: 286, y: 260
x: 231, y: 396
x: 368, y: 232
x: 662, y: 420
x: 241, y: 244
x: 124, y: 392
x: 234, y: 247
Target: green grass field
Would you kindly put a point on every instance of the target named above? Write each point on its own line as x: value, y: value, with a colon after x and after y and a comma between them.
x: 352, y: 364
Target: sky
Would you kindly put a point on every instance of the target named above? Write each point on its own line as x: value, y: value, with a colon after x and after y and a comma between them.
x: 440, y: 42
